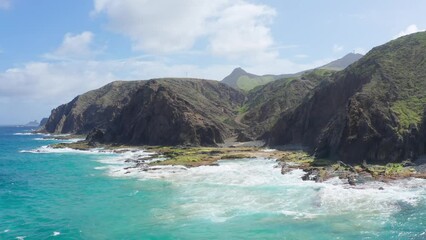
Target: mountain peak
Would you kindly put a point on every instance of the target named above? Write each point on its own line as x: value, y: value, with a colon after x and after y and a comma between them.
x: 343, y: 62
x: 238, y: 71
x: 232, y: 79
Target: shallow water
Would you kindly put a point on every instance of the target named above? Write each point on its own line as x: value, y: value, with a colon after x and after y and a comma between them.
x: 69, y: 194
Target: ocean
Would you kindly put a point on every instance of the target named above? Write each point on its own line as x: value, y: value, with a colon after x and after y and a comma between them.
x: 50, y: 193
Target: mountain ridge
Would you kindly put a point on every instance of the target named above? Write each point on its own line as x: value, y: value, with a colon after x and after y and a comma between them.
x: 243, y: 80
x: 372, y: 111
x: 355, y: 117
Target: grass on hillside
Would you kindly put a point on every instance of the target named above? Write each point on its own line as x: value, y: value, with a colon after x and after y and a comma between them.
x: 409, y: 111
x: 247, y: 83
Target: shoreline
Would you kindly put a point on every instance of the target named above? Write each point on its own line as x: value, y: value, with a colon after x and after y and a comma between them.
x: 317, y: 170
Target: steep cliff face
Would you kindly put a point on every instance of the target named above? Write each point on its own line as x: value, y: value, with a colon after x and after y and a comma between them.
x: 155, y: 112
x: 266, y: 103
x: 373, y: 111
x: 176, y: 112
x: 97, y: 108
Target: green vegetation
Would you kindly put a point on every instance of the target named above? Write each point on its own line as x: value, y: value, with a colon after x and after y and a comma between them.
x: 198, y: 156
x: 81, y: 145
x: 299, y: 157
x: 409, y: 111
x: 247, y: 83
x: 391, y: 170
x: 243, y: 109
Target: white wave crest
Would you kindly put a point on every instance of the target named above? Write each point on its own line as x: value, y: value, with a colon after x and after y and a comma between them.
x: 29, y: 134
x: 239, y: 187
x: 49, y: 149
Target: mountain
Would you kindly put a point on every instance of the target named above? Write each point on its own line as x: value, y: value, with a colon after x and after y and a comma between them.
x: 373, y: 111
x: 43, y: 122
x: 240, y: 79
x: 343, y: 62
x: 97, y: 108
x: 154, y: 112
x: 34, y: 123
x: 266, y: 103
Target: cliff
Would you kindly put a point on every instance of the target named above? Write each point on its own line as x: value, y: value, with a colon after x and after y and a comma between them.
x: 155, y: 112
x: 265, y: 104
x: 373, y: 111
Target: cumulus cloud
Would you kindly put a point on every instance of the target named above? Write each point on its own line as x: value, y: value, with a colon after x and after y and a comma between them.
x: 409, y: 30
x: 52, y: 81
x: 32, y: 90
x: 231, y: 28
x: 5, y: 4
x: 74, y: 46
x: 241, y: 30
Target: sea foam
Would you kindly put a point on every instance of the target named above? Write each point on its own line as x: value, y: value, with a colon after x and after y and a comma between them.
x: 49, y: 149
x: 255, y: 186
x: 250, y: 186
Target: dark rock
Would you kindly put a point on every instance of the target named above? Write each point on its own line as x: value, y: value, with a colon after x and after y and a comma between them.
x: 43, y: 122
x: 351, y: 180
x: 94, y: 109
x: 348, y: 166
x: 156, y: 112
x: 95, y: 136
x: 267, y: 103
x: 177, y: 112
x: 357, y: 115
x: 243, y: 137
x: 312, y: 174
x: 285, y: 168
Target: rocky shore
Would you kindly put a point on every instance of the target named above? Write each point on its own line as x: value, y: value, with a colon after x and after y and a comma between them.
x: 317, y: 170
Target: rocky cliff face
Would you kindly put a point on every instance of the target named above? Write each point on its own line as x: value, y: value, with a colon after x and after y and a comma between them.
x: 265, y: 104
x: 155, y: 112
x: 373, y: 111
x: 97, y: 108
x: 178, y: 112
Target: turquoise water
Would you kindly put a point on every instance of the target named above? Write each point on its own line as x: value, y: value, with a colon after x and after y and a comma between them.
x: 65, y: 194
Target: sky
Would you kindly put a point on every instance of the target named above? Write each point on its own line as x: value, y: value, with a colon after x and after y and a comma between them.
x: 51, y: 51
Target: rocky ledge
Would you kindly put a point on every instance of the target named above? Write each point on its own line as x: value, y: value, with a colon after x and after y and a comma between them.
x: 317, y: 170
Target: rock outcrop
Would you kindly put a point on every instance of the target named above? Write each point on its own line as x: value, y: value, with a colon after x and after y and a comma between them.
x: 155, y: 112
x: 267, y: 103
x: 371, y: 112
x: 94, y: 109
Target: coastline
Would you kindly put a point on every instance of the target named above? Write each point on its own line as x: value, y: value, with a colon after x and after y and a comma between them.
x: 317, y: 170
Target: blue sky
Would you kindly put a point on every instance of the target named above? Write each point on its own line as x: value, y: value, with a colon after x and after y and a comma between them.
x: 51, y: 51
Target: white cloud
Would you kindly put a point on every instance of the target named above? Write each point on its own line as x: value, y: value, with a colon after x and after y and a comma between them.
x: 52, y: 81
x: 58, y: 82
x: 5, y: 4
x: 337, y: 48
x: 74, y: 46
x: 241, y: 30
x: 230, y: 28
x: 409, y: 30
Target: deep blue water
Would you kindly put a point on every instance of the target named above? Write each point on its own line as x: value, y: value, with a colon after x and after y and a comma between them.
x: 65, y: 194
